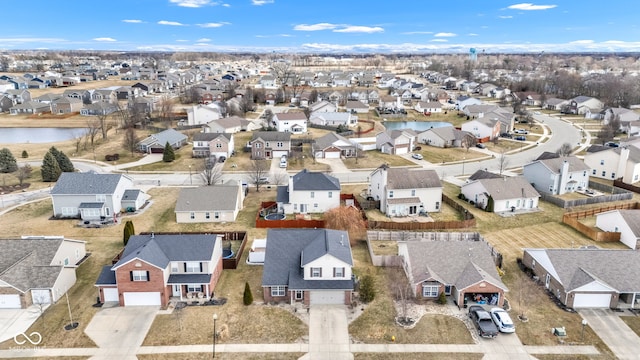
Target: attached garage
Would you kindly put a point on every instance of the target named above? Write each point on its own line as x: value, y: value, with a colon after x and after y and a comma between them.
x: 327, y: 297
x: 402, y: 150
x: 591, y: 301
x: 277, y: 154
x: 142, y: 299
x: 41, y: 296
x: 110, y: 294
x: 332, y: 154
x: 11, y: 301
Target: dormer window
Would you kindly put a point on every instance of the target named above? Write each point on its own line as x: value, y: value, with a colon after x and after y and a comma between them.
x: 316, y: 272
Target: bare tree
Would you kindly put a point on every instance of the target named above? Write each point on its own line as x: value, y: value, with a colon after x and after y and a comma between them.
x: 401, y: 290
x: 565, y: 150
x: 609, y: 130
x: 93, y: 127
x: 165, y: 111
x: 468, y: 141
x: 23, y: 173
x: 349, y: 219
x: 210, y: 171
x: 131, y: 140
x: 282, y: 71
x: 104, y: 125
x: 280, y: 178
x: 258, y: 170
x: 503, y: 161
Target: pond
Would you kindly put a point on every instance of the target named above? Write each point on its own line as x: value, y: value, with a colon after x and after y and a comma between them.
x: 38, y: 135
x: 418, y: 126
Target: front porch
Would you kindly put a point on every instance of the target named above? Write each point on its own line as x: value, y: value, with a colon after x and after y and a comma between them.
x: 190, y: 287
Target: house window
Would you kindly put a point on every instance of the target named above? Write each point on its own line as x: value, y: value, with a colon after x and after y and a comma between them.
x: 613, y: 175
x: 594, y: 171
x: 258, y: 145
x: 584, y: 173
x: 277, y: 290
x: 139, y: 275
x: 279, y: 144
x: 413, y: 192
x: 266, y: 144
x: 192, y: 267
x: 601, y: 162
x: 313, y: 194
x: 101, y: 198
x: 316, y: 272
x: 447, y: 289
x: 194, y: 288
x: 315, y: 205
x: 192, y: 215
x: 330, y: 194
x: 338, y: 272
x: 69, y: 211
x: 219, y: 146
x: 604, y: 173
x: 216, y: 215
x: 299, y: 294
x: 533, y: 264
x: 391, y: 193
x: 174, y: 267
x: 207, y: 215
x: 437, y: 205
x: 430, y: 290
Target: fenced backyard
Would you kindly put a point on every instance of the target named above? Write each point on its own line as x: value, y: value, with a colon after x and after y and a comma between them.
x: 573, y: 220
x: 616, y: 194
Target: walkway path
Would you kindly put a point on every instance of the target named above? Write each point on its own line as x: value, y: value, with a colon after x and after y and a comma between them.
x: 624, y: 343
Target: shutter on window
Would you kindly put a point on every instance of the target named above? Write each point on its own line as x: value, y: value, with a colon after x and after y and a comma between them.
x: 320, y: 272
x: 334, y: 272
x: 148, y: 278
x: 131, y: 275
x: 185, y: 267
x: 343, y: 273
x: 200, y: 267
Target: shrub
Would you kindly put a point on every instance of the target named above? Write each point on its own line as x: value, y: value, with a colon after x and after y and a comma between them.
x: 367, y: 289
x: 25, y: 154
x: 442, y: 298
x: 247, y: 298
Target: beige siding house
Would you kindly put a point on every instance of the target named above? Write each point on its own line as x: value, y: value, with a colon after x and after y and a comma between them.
x: 217, y: 203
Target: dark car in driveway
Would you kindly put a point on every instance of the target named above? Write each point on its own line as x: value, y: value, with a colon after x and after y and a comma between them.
x: 482, y: 321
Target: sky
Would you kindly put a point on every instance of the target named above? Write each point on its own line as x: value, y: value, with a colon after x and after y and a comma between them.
x: 312, y: 26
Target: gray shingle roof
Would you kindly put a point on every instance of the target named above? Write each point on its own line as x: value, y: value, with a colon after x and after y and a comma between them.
x: 289, y: 116
x: 159, y: 250
x: 483, y: 174
x: 107, y: 276
x: 271, y: 136
x: 287, y: 249
x: 632, y: 218
x: 555, y: 164
x: 86, y: 183
x: 131, y: 194
x: 403, y: 178
x: 331, y: 139
x: 208, y: 198
x: 306, y: 180
x: 210, y: 136
x: 189, y: 279
x: 509, y: 188
x: 459, y: 263
x: 282, y: 194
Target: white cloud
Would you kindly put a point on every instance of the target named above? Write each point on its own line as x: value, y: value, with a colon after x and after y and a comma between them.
x: 182, y: 40
x: 360, y: 29
x: 418, y: 33
x: 582, y: 42
x: 262, y: 2
x: 315, y: 27
x: 32, y: 40
x: 226, y: 5
x: 530, y: 6
x: 193, y: 3
x: 439, y: 40
x: 203, y: 40
x: 472, y: 34
x: 170, y: 23
x: 505, y: 17
x: 132, y: 21
x: 444, y: 34
x: 105, y: 39
x: 213, y: 25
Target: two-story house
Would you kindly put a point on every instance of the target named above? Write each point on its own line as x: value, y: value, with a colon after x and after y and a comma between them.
x: 483, y: 128
x: 311, y: 266
x: 155, y: 268
x: 309, y: 192
x: 396, y: 142
x: 557, y: 176
x: 213, y: 144
x: 292, y: 122
x: 613, y: 163
x: 405, y: 192
x: 270, y: 144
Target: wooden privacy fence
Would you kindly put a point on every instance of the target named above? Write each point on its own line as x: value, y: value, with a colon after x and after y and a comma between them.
x: 573, y: 219
x: 617, y: 194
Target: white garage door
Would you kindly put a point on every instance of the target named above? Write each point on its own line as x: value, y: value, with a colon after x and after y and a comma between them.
x: 332, y: 155
x: 10, y: 301
x: 110, y: 294
x: 402, y: 150
x: 141, y: 298
x: 592, y: 301
x: 41, y: 296
x: 279, y: 154
x: 327, y: 297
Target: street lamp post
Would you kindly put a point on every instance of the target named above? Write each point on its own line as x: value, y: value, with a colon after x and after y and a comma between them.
x: 190, y: 178
x: 584, y: 323
x: 463, y: 158
x: 215, y: 318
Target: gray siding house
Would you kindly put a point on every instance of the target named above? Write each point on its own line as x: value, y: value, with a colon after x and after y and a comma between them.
x: 557, y: 176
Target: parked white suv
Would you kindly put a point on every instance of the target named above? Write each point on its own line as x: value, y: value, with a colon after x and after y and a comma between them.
x: 283, y: 161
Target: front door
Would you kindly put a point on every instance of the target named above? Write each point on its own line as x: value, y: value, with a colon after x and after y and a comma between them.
x: 303, y: 208
x: 176, y: 290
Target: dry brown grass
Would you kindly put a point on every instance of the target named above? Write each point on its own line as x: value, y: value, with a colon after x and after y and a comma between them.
x: 633, y: 322
x: 436, y: 155
x: 417, y: 356
x: 222, y: 356
x: 385, y: 247
x: 374, y: 158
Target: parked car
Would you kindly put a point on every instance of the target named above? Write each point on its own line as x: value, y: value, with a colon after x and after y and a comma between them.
x: 520, y: 138
x: 222, y: 159
x: 263, y: 180
x: 521, y: 131
x: 417, y: 156
x: 502, y: 320
x: 612, y: 144
x: 537, y: 112
x: 506, y: 135
x: 481, y: 146
x: 482, y: 321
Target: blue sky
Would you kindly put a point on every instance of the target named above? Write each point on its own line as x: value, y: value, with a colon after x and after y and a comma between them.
x: 321, y: 26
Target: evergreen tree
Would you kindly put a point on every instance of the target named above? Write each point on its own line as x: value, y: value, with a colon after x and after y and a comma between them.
x: 25, y: 154
x: 63, y: 161
x: 168, y: 155
x: 128, y: 231
x: 367, y: 289
x: 8, y: 163
x: 50, y: 169
x: 247, y: 299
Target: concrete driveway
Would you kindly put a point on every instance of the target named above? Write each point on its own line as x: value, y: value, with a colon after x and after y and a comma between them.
x: 624, y: 343
x: 16, y: 321
x: 119, y: 331
x: 328, y: 333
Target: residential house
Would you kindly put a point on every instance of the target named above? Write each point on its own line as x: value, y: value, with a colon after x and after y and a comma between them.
x: 38, y: 270
x: 613, y: 163
x: 47, y: 98
x: 587, y: 277
x: 580, y: 105
x: 5, y: 86
x: 83, y: 95
x: 357, y: 107
x: 270, y: 144
x: 396, y: 142
x: 625, y: 116
x: 464, y: 270
x: 405, y: 192
x: 143, y: 105
x: 155, y: 143
x: 558, y: 175
x: 389, y: 102
x: 155, y: 268
x: 107, y: 95
x: 333, y: 119
x: 268, y: 82
x: 308, y: 192
x: 333, y: 146
x: 203, y: 114
x: 91, y: 196
x: 29, y: 107
x: 443, y: 137
x: 464, y: 101
x: 483, y: 128
x: 490, y: 111
x: 213, y: 144
x: 19, y: 96
x: 208, y: 204
x: 485, y: 89
x: 322, y: 107
x: 5, y: 103
x: 293, y: 122
x: 66, y: 105
x: 231, y: 125
x: 99, y: 108
x: 428, y: 107
x: 626, y: 222
x: 501, y: 194
x: 311, y: 266
x: 555, y: 104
